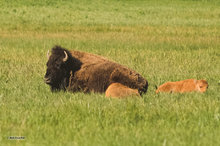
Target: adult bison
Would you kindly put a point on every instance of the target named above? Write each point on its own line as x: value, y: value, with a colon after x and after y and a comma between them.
x: 79, y: 71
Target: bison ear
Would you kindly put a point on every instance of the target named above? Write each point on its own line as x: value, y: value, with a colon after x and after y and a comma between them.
x: 66, y: 57
x: 48, y: 54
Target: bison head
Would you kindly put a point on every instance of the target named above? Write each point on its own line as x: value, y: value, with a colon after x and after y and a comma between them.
x: 58, y: 68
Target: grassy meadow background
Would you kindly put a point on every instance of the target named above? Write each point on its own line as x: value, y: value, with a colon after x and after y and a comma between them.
x: 163, y: 40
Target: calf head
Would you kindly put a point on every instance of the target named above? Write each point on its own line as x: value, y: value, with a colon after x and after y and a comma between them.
x: 202, y: 85
x: 58, y: 68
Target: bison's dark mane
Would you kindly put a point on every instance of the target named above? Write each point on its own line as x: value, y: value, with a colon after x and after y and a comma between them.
x: 71, y: 65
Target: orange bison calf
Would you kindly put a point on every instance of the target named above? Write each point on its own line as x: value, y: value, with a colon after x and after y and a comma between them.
x: 188, y: 85
x: 120, y: 91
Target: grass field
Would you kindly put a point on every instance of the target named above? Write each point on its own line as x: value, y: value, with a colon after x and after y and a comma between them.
x: 163, y: 40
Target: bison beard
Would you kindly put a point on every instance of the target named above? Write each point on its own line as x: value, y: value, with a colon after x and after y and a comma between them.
x: 88, y: 72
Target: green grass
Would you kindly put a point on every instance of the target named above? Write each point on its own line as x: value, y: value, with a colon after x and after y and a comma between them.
x: 162, y: 40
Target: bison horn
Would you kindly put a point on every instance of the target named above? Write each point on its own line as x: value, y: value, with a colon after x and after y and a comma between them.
x: 48, y: 54
x: 66, y: 57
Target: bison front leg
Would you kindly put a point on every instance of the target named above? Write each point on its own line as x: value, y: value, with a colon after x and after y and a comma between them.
x: 129, y: 78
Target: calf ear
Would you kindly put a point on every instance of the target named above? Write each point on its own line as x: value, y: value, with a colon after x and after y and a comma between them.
x: 66, y: 57
x: 196, y: 82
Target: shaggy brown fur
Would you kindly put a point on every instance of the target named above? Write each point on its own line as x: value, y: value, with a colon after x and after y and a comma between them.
x: 88, y: 73
x: 120, y: 91
x: 188, y: 85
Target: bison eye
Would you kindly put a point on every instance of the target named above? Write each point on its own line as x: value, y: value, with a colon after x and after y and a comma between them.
x: 57, y: 65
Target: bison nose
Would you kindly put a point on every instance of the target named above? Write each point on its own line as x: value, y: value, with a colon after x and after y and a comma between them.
x: 47, y: 80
